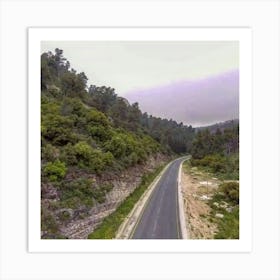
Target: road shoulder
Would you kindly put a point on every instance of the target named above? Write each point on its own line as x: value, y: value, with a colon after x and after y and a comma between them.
x: 197, y: 189
x: 182, y: 214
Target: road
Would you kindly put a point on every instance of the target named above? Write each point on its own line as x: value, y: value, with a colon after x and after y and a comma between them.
x: 160, y: 217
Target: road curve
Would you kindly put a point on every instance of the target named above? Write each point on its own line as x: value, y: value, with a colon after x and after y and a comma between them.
x: 160, y: 216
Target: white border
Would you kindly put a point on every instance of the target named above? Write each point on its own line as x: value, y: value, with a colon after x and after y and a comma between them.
x: 243, y: 35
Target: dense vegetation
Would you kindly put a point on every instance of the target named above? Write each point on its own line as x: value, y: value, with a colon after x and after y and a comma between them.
x: 228, y: 226
x: 217, y: 152
x: 221, y: 126
x: 89, y: 131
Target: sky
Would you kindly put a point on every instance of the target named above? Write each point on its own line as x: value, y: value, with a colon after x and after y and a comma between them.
x: 139, y: 66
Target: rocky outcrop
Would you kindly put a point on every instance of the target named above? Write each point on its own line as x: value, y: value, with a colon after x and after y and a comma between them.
x: 80, y: 222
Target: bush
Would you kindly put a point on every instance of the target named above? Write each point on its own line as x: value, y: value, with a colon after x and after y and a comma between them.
x: 228, y: 227
x: 55, y: 170
x: 64, y: 216
x: 130, y: 149
x: 77, y: 193
x: 54, y: 91
x: 99, y: 193
x: 99, y: 132
x: 231, y: 191
x: 93, y: 117
x: 49, y: 153
x: 92, y: 159
x: 81, y: 192
x: 117, y: 146
x: 48, y: 222
x: 215, y: 162
x: 72, y: 107
x: 68, y: 155
x: 58, y: 129
x: 83, y: 151
x: 227, y: 167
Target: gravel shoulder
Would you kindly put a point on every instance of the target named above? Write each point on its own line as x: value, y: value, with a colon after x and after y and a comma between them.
x: 197, y: 189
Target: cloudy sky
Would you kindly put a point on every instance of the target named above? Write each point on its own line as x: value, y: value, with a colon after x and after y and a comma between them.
x: 142, y: 67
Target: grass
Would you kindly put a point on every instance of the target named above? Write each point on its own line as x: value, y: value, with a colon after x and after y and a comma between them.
x: 110, y: 225
x: 228, y: 226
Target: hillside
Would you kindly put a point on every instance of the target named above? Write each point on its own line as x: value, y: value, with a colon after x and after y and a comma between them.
x: 221, y: 126
x: 95, y: 149
x: 217, y: 152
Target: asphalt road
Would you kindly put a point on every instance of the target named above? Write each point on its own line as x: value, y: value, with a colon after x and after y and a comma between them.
x: 160, y: 217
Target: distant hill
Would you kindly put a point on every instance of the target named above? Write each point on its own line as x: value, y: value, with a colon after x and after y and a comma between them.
x: 221, y: 125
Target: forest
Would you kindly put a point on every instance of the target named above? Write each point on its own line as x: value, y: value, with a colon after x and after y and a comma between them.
x: 218, y: 152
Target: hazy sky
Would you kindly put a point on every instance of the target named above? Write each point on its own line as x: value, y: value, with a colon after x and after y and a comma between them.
x: 136, y: 66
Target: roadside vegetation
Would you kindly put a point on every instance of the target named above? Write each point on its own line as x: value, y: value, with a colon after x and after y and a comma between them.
x: 217, y: 152
x: 214, y: 176
x: 225, y: 210
x: 212, y: 204
x: 110, y: 225
x: 225, y: 202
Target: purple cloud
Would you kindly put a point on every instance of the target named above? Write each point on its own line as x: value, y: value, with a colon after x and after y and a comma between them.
x: 197, y: 102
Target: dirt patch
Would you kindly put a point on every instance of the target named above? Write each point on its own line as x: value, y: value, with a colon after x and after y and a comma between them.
x: 197, y: 189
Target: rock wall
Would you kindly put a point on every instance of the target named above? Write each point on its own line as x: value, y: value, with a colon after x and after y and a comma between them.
x: 84, y: 221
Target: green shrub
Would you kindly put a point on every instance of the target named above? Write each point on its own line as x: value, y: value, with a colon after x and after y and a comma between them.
x: 54, y: 91
x: 55, y: 170
x: 117, y: 146
x: 77, y: 193
x: 99, y: 193
x: 73, y: 107
x: 95, y: 117
x: 48, y: 222
x: 226, y: 167
x: 228, y: 226
x: 50, y: 153
x: 83, y: 151
x: 58, y: 129
x: 107, y: 158
x: 68, y: 155
x: 99, y: 132
x: 92, y: 159
x: 81, y: 192
x: 231, y: 191
x: 64, y: 216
